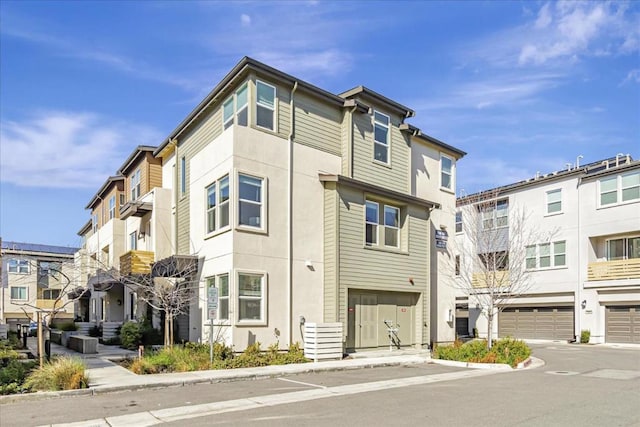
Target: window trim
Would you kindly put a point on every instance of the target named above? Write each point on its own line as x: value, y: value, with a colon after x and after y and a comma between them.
x: 134, y: 185
x: 50, y: 291
x: 625, y: 247
x: 112, y: 207
x: 263, y: 298
x: 618, y: 190
x: 381, y: 226
x: 263, y: 203
x: 273, y: 109
x: 215, y: 280
x: 484, y: 214
x: 26, y: 293
x: 133, y: 241
x: 217, y: 229
x: 459, y: 215
x: 397, y: 229
x: 19, y: 262
x: 551, y: 255
x: 373, y: 224
x: 451, y: 173
x: 235, y: 108
x: 94, y: 223
x: 548, y: 203
x: 387, y: 143
x: 183, y: 176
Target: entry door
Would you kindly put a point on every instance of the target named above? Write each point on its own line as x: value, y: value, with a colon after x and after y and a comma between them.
x: 368, y: 313
x: 405, y: 320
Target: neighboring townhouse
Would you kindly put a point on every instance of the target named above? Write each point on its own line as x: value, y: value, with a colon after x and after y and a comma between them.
x: 299, y: 205
x: 129, y: 216
x: 586, y: 275
x: 35, y: 278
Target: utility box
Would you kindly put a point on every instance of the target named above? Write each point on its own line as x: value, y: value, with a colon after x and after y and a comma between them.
x: 323, y: 341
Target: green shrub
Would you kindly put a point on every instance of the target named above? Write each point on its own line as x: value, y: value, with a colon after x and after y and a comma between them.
x: 7, y: 352
x: 67, y: 326
x: 131, y: 334
x: 63, y: 373
x: 585, y: 336
x: 507, y: 350
x: 112, y: 341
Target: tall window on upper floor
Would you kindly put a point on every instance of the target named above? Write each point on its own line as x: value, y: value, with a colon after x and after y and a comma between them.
x: 381, y: 124
x: 133, y: 241
x: 183, y: 176
x: 236, y: 108
x: 457, y: 265
x: 250, y: 201
x: 554, y: 201
x: 494, y: 214
x: 546, y: 255
x: 385, y: 228
x: 218, y: 205
x: 20, y: 293
x: 112, y: 207
x: 620, y: 188
x: 459, y: 222
x: 446, y: 172
x: 20, y: 266
x: 135, y: 185
x: 94, y: 222
x: 265, y: 105
x: 624, y: 248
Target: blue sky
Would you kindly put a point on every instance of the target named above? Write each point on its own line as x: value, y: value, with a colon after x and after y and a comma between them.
x: 520, y: 86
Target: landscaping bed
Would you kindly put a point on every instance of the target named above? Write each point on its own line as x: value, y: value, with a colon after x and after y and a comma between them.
x: 507, y: 351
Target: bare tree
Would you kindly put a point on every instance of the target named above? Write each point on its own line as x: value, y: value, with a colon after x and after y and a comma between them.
x: 491, y: 255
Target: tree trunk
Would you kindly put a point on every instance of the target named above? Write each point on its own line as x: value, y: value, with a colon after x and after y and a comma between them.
x: 171, y: 331
x: 490, y: 328
x: 166, y: 331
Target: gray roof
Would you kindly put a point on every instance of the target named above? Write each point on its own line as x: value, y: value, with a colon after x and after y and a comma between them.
x: 34, y: 247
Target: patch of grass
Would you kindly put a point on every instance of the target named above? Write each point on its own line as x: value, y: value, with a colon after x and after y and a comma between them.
x: 506, y: 350
x: 63, y: 373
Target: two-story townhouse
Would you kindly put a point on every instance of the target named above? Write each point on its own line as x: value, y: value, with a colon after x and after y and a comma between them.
x: 301, y: 205
x: 35, y: 278
x: 577, y: 280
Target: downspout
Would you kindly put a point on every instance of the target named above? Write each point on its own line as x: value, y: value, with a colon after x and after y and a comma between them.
x: 175, y: 198
x: 578, y: 294
x: 289, y: 217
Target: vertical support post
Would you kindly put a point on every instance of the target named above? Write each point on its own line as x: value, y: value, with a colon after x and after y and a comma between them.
x: 211, y: 342
x: 40, y: 340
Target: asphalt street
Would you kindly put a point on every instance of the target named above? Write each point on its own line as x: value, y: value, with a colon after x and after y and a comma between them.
x: 578, y: 385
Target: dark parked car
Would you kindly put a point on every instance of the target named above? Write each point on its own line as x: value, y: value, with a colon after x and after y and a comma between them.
x: 33, y: 329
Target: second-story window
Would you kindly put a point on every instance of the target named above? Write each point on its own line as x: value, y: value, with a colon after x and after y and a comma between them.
x: 446, y: 172
x: 554, y: 201
x: 94, y: 223
x: 20, y: 266
x: 112, y: 207
x: 385, y: 228
x: 265, y: 105
x: 183, y: 176
x: 371, y: 223
x: 381, y: 137
x: 546, y: 255
x: 236, y: 107
x: 391, y: 226
x: 459, y: 222
x: 135, y: 185
x: 218, y: 205
x: 495, y: 214
x: 250, y: 200
x: 619, y: 189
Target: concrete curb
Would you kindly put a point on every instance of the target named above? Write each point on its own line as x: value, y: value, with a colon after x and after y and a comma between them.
x: 212, y: 377
x: 530, y: 363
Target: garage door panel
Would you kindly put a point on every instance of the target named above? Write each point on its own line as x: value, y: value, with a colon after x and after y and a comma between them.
x: 536, y: 323
x: 622, y: 324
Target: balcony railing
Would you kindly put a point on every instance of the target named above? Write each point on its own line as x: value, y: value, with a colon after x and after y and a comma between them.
x: 614, y: 270
x: 136, y: 262
x: 495, y: 278
x: 49, y: 304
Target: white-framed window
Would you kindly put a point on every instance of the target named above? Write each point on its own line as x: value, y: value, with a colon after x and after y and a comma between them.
x: 371, y: 223
x: 382, y: 226
x: 133, y: 241
x: 19, y: 293
x: 51, y: 294
x: 459, y: 222
x: 183, y: 176
x: 391, y: 226
x: 94, y: 223
x: 221, y: 282
x: 554, y: 201
x: 446, y: 172
x: 495, y: 214
x: 218, y: 205
x: 381, y: 124
x: 135, y: 184
x: 251, y: 297
x: 20, y: 266
x: 236, y: 106
x: 619, y: 189
x: 265, y: 105
x: 112, y: 207
x: 250, y: 201
x: 546, y: 255
x: 623, y: 248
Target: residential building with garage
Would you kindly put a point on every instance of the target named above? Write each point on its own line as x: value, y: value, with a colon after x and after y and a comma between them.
x: 35, y: 278
x: 300, y: 205
x: 586, y: 274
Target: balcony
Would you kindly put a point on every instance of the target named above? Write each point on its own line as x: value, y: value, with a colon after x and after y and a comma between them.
x: 136, y: 262
x: 135, y: 208
x: 614, y: 270
x: 497, y: 279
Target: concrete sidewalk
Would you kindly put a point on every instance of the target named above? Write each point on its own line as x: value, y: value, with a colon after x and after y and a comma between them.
x: 107, y: 376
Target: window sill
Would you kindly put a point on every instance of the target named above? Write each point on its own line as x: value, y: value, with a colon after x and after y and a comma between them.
x: 242, y: 323
x: 249, y: 229
x: 447, y: 190
x: 388, y: 249
x: 536, y: 270
x: 615, y: 205
x: 378, y: 162
x: 553, y: 214
x: 217, y: 232
x: 266, y: 130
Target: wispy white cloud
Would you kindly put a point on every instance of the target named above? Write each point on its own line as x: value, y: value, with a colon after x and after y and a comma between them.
x: 245, y: 20
x: 58, y: 149
x: 632, y: 77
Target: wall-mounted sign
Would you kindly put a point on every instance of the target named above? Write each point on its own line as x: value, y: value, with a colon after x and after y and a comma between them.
x: 441, y: 239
